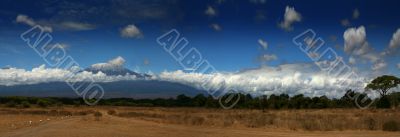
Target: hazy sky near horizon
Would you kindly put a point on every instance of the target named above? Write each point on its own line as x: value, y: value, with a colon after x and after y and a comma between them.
x: 234, y: 36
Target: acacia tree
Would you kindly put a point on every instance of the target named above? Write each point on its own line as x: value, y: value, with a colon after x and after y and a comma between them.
x: 383, y: 84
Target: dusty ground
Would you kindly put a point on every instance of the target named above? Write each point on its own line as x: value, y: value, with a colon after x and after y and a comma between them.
x: 18, y: 125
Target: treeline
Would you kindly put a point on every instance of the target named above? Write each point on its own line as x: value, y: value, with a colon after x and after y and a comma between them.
x: 282, y: 101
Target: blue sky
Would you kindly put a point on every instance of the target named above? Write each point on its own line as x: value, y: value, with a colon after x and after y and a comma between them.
x: 96, y: 36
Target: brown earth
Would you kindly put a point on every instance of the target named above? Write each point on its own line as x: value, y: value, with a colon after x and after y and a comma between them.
x: 18, y: 125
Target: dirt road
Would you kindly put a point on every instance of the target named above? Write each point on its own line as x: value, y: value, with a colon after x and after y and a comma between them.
x: 111, y: 126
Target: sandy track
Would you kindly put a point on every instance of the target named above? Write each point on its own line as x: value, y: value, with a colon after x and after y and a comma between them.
x: 110, y: 126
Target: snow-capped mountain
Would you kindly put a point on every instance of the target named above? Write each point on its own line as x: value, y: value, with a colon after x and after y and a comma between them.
x: 114, y: 67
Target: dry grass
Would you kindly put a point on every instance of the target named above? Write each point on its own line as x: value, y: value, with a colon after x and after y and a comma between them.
x: 297, y: 120
x: 309, y: 120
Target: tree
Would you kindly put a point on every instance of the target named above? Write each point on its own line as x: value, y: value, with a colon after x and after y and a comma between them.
x: 383, y: 84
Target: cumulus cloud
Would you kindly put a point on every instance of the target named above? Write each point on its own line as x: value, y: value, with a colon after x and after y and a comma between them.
x: 356, y: 44
x: 29, y: 21
x: 356, y: 41
x: 291, y: 16
x: 131, y: 31
x: 398, y: 65
x: 263, y: 43
x: 210, y: 11
x: 356, y: 14
x: 115, y: 63
x: 394, y: 44
x: 216, y: 27
x: 395, y: 41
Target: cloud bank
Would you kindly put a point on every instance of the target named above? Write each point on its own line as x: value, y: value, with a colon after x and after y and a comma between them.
x: 289, y: 78
x: 14, y: 76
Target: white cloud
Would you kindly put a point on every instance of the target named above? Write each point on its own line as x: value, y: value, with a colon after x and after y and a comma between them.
x: 290, y: 78
x: 352, y: 60
x: 216, y: 27
x: 41, y: 74
x: 268, y: 57
x: 263, y: 44
x: 355, y: 40
x: 398, y: 65
x: 395, y: 41
x: 131, y: 31
x: 112, y: 64
x: 29, y: 21
x: 356, y: 44
x: 291, y: 16
x: 210, y: 11
x: 75, y: 26
x: 356, y: 14
x: 379, y: 65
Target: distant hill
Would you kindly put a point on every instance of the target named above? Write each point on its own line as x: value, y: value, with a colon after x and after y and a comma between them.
x: 126, y: 89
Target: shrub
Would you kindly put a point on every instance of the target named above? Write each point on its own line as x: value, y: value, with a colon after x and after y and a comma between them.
x: 11, y: 104
x: 383, y: 102
x: 391, y: 126
x: 26, y: 104
x: 42, y: 103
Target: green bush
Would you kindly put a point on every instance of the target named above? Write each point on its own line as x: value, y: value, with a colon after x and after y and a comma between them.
x: 42, y: 103
x: 391, y: 126
x: 25, y: 104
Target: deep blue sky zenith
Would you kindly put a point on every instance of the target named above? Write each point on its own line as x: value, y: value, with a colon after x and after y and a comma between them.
x: 95, y: 34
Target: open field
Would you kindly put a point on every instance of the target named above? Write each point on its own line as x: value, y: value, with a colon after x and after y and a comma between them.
x: 198, y: 122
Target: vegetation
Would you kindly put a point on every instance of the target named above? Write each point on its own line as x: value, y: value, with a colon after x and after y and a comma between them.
x: 391, y: 126
x: 383, y: 84
x: 282, y: 101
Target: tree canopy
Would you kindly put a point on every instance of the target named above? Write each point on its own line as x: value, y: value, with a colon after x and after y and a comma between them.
x: 383, y: 84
